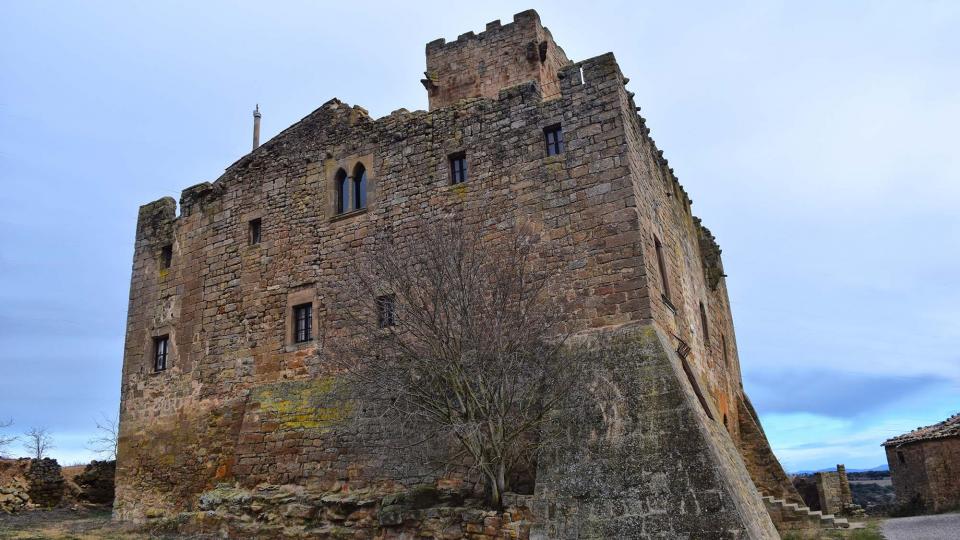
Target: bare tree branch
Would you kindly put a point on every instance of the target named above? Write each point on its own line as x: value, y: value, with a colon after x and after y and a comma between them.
x: 6, y: 440
x: 105, y: 443
x: 38, y: 442
x: 454, y: 332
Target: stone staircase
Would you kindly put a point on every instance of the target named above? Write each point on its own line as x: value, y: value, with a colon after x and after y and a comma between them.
x: 794, y: 517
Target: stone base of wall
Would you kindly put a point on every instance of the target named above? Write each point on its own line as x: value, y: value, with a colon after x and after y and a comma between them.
x: 645, y: 458
x: 291, y: 511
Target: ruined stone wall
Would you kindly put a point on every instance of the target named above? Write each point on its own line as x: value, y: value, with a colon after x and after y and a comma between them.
x: 829, y: 492
x: 930, y: 470
x: 481, y: 65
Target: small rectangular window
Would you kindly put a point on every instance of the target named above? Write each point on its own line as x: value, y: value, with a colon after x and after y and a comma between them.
x: 386, y: 311
x: 900, y: 457
x: 161, y: 349
x: 303, y: 323
x: 458, y: 168
x: 554, y: 138
x: 704, y: 325
x: 254, y: 228
x: 662, y: 265
x: 166, y: 256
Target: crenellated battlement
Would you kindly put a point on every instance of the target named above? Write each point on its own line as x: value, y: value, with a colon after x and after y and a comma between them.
x: 480, y: 65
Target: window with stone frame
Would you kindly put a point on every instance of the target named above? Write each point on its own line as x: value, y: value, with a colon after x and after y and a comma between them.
x: 161, y: 352
x: 303, y: 323
x: 166, y: 256
x: 386, y: 310
x: 254, y: 231
x: 343, y: 191
x: 554, y: 139
x: 458, y: 168
x: 359, y: 187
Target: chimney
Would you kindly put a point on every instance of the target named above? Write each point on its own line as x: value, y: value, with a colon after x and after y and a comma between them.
x: 256, y: 127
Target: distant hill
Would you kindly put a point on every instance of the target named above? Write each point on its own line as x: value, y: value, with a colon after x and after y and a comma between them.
x: 878, y: 468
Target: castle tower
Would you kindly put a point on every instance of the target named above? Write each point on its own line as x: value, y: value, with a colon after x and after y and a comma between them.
x: 480, y: 65
x: 226, y: 383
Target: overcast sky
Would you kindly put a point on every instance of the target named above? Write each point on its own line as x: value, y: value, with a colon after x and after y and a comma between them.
x: 818, y: 141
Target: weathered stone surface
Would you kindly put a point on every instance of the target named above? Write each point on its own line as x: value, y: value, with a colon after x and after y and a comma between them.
x: 646, y: 461
x: 46, y: 482
x: 288, y: 511
x: 239, y: 402
x: 925, y: 466
x: 96, y: 482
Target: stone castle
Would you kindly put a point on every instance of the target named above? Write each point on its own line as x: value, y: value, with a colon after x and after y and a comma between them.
x: 222, y: 385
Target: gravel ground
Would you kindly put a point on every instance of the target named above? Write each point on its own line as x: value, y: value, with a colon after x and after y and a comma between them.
x: 935, y: 527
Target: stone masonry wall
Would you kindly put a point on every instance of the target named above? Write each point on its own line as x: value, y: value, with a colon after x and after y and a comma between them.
x: 225, y: 304
x: 767, y: 473
x: 644, y: 460
x: 828, y: 490
x: 46, y: 482
x: 237, y: 402
x: 930, y: 470
x: 480, y: 65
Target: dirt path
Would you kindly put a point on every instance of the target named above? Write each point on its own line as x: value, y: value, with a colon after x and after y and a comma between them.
x: 84, y: 523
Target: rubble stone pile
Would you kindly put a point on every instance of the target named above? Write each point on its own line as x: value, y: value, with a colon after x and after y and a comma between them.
x: 96, y: 482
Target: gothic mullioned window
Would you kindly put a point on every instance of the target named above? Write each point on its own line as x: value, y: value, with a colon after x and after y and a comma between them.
x: 359, y: 187
x: 343, y: 192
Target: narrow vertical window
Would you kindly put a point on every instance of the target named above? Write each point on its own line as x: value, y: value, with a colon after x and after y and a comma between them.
x: 303, y: 323
x: 704, y: 325
x: 726, y: 356
x: 458, y: 168
x: 254, y: 231
x: 554, y: 138
x: 166, y: 256
x: 343, y: 191
x: 360, y: 187
x: 900, y: 457
x: 661, y: 263
x: 386, y: 311
x: 161, y: 348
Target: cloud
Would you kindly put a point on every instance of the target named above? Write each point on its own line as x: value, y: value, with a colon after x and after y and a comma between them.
x: 834, y: 394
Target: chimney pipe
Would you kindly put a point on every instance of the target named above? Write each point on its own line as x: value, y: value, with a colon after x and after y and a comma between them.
x: 256, y: 127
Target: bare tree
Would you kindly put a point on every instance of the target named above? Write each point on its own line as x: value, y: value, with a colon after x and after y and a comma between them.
x: 6, y: 440
x: 38, y: 442
x: 105, y: 442
x: 454, y: 335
